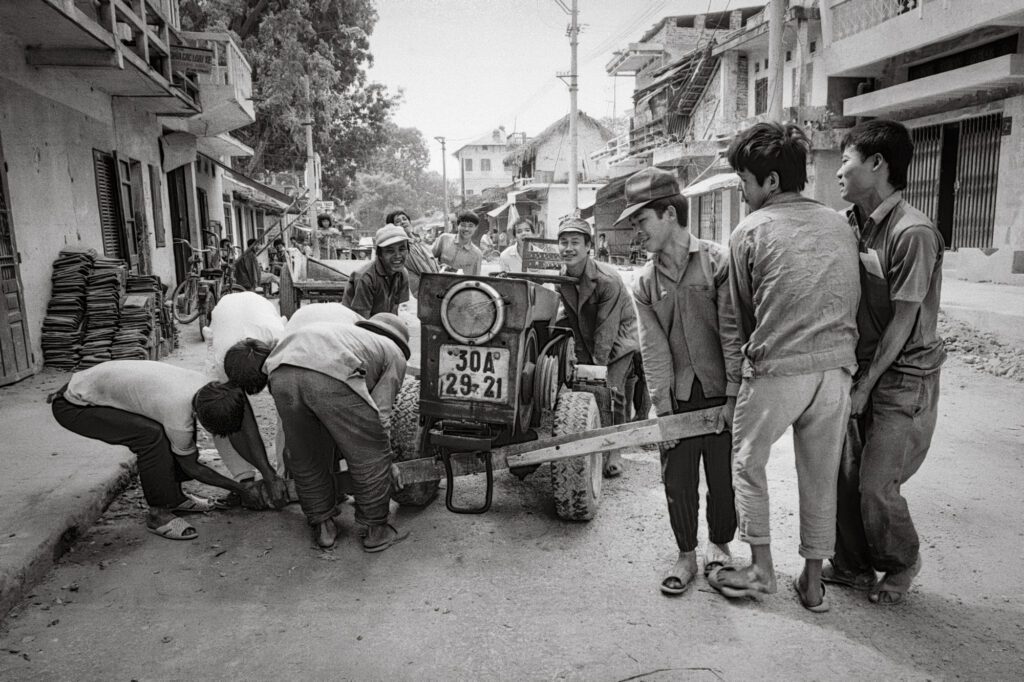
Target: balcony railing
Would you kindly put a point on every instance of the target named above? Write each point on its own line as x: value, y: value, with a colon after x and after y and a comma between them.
x: 226, y: 88
x: 853, y: 16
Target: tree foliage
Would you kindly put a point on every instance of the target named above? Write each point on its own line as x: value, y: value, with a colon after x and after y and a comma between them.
x: 292, y: 43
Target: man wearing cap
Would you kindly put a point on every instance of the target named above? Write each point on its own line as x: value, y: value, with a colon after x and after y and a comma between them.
x: 457, y: 251
x: 691, y: 354
x: 380, y: 285
x: 334, y: 385
x: 599, y: 311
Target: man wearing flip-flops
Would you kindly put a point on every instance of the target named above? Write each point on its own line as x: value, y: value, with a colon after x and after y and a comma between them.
x: 795, y: 288
x: 334, y: 384
x: 692, y: 357
x: 151, y: 407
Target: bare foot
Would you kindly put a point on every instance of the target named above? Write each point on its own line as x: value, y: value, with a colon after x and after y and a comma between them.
x: 894, y: 586
x: 325, y: 533
x: 612, y: 465
x: 681, y: 575
x: 811, y: 593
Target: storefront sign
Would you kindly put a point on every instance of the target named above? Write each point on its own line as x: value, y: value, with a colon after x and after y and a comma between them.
x: 194, y: 59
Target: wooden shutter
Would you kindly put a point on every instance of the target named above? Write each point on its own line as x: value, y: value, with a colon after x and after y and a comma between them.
x: 15, y: 350
x: 106, y: 197
x: 156, y: 193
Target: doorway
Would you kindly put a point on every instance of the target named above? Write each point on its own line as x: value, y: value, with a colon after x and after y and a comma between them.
x: 180, y: 227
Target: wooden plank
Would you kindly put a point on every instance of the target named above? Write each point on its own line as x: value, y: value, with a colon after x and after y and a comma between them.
x: 633, y: 435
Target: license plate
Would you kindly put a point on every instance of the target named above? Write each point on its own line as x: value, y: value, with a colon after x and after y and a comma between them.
x: 472, y: 373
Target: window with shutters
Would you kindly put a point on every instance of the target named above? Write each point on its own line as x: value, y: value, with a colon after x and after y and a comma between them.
x: 485, y: 164
x: 107, y: 199
x: 156, y: 196
x: 468, y: 164
x: 760, y: 96
x: 128, y: 189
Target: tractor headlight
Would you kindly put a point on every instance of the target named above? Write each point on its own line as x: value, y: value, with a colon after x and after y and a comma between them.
x: 472, y: 312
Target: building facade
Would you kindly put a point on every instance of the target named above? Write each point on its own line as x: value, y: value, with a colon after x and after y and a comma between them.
x: 114, y: 136
x: 480, y: 163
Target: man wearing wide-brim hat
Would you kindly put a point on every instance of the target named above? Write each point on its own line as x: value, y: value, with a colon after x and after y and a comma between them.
x: 382, y: 284
x: 691, y: 356
x: 334, y: 385
x: 600, y: 312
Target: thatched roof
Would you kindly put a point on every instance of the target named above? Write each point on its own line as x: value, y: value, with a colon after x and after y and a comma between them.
x: 528, y: 152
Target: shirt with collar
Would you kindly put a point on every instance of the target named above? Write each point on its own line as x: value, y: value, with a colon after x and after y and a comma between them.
x: 373, y: 290
x: 370, y: 364
x: 599, y: 310
x: 465, y: 257
x: 901, y: 255
x: 679, y: 341
x: 510, y: 261
x: 795, y: 286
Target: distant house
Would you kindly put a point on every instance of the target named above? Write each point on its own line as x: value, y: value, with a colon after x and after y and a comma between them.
x: 480, y: 163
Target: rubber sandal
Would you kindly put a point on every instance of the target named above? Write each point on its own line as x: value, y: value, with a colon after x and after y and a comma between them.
x: 175, y: 529
x: 855, y: 581
x: 672, y: 590
x: 194, y: 504
x: 895, y: 592
x: 711, y: 566
x: 394, y: 539
x: 714, y: 579
x: 820, y: 607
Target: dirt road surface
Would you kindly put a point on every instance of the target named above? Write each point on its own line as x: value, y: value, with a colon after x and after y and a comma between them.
x: 518, y: 594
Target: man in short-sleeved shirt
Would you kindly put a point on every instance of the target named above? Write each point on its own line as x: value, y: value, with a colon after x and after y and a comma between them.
x: 899, y: 355
x: 457, y: 251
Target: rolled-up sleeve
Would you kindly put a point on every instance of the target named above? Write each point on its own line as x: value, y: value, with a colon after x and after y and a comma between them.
x: 388, y: 385
x: 655, y: 351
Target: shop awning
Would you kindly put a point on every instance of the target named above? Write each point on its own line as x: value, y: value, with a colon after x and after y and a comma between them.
x: 715, y: 182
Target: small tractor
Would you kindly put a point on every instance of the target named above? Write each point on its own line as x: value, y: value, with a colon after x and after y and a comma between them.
x: 494, y: 368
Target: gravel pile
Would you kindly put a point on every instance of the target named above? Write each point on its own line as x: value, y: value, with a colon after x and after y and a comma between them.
x: 981, y: 350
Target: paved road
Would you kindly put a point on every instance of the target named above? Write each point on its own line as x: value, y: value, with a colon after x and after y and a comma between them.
x: 518, y: 594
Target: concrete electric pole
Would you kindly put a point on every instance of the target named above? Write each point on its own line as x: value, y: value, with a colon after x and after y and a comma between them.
x: 444, y: 177
x: 573, y: 33
x: 311, y: 176
x: 776, y: 24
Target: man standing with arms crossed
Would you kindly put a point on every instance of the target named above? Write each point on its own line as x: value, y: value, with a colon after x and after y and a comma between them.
x: 692, y: 357
x: 899, y: 354
x: 794, y: 282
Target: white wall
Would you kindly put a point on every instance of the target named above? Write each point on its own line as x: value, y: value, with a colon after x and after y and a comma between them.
x: 478, y: 180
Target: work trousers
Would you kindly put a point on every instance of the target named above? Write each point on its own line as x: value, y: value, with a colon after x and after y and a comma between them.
x: 319, y: 414
x: 159, y: 471
x: 680, y: 472
x: 817, y: 406
x: 874, y: 528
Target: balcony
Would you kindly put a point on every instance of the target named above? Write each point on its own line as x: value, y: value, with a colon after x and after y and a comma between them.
x: 994, y: 75
x: 120, y: 49
x: 633, y: 58
x: 224, y: 79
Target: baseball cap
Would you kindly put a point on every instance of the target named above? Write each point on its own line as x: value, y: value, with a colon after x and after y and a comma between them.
x: 646, y: 186
x: 574, y: 225
x: 389, y: 234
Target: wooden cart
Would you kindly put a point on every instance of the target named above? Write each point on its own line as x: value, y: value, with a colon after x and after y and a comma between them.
x: 314, y: 280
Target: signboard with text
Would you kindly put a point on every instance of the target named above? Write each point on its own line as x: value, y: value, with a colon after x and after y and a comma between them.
x: 541, y: 255
x: 194, y: 59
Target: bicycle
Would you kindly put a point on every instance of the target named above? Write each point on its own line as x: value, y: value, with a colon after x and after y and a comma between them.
x: 197, y: 294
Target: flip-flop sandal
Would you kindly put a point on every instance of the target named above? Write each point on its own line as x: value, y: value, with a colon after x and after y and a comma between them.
x: 895, y: 591
x: 714, y: 579
x: 394, y: 539
x: 673, y: 585
x: 858, y: 581
x: 711, y: 566
x: 194, y: 504
x: 175, y: 529
x: 821, y: 607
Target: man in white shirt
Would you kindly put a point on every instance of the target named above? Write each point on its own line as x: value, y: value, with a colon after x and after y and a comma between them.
x: 151, y: 407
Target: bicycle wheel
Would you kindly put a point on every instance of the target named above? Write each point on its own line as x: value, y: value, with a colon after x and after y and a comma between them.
x: 185, y: 300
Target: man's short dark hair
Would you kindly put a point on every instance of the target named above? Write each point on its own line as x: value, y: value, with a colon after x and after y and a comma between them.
x: 225, y: 243
x: 390, y: 219
x: 220, y: 408
x: 467, y: 217
x: 243, y: 363
x: 891, y: 139
x: 252, y: 241
x: 678, y: 202
x: 278, y: 242
x: 322, y: 217
x: 770, y: 147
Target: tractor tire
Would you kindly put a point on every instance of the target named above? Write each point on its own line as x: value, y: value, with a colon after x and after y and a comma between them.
x: 406, y: 442
x: 576, y: 481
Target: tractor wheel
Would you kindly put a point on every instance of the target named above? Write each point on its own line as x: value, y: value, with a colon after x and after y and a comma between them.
x: 407, y: 443
x: 576, y: 481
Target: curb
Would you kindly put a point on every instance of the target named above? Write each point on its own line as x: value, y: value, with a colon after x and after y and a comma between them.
x: 22, y: 569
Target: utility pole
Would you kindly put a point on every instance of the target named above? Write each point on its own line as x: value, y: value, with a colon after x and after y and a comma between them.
x: 444, y: 178
x: 311, y: 178
x: 573, y: 33
x: 776, y: 24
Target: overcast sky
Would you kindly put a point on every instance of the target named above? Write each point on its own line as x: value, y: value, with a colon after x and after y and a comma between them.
x: 468, y: 66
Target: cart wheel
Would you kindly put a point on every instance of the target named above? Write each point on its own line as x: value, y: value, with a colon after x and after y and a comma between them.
x: 407, y: 443
x: 576, y: 481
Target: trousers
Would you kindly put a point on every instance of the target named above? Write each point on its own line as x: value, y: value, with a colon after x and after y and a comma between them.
x: 159, y: 472
x: 817, y: 406
x: 680, y: 473
x: 874, y: 530
x: 322, y: 416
